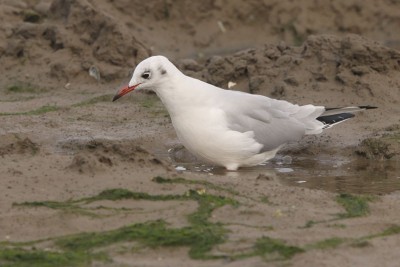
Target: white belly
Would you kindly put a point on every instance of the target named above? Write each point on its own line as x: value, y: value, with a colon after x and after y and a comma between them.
x: 204, y: 132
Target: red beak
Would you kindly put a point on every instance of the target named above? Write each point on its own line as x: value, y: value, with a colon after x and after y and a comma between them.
x: 124, y: 90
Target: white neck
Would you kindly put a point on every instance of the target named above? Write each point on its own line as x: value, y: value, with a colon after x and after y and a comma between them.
x: 172, y: 93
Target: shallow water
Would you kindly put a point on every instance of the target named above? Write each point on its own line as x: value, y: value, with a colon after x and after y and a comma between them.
x: 357, y: 176
x: 334, y: 174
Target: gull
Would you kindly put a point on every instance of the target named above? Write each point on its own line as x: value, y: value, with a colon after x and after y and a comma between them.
x: 229, y: 128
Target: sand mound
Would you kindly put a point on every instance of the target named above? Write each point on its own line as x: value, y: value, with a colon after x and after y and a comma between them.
x: 11, y: 144
x: 65, y: 39
x: 347, y: 67
x: 100, y: 154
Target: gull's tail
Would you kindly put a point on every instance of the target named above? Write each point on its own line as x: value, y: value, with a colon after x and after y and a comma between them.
x: 333, y: 116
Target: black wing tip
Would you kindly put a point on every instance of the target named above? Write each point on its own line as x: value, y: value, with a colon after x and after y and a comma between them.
x: 333, y: 119
x: 361, y: 107
x: 367, y: 107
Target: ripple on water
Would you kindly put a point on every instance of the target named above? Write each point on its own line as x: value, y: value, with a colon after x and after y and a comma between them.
x: 324, y: 172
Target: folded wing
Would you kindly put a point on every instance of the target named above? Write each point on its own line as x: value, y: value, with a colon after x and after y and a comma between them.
x: 274, y: 122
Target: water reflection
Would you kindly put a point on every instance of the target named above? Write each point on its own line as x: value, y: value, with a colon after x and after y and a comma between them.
x: 358, y: 176
x: 325, y: 172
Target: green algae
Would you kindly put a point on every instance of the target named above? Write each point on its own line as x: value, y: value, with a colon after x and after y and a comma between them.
x: 392, y: 230
x: 327, y: 243
x: 94, y: 100
x: 271, y: 249
x: 20, y: 88
x: 38, y: 111
x: 201, y: 236
x: 208, y: 185
x: 355, y: 206
x: 19, y: 257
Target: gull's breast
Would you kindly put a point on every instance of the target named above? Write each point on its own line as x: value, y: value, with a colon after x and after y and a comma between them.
x: 205, y: 133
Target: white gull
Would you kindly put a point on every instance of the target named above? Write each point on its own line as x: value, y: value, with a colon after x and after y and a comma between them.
x: 229, y: 128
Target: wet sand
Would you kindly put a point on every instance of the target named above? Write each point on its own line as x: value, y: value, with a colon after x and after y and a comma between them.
x: 73, y: 162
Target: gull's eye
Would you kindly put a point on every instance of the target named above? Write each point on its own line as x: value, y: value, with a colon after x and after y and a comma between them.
x: 146, y: 75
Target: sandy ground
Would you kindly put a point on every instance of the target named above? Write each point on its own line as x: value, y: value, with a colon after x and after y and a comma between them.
x: 62, y: 139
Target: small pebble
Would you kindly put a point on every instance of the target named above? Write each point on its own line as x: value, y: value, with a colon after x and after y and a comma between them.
x: 284, y: 170
x: 287, y: 160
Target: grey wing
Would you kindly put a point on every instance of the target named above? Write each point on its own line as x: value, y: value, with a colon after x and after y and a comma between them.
x: 273, y: 122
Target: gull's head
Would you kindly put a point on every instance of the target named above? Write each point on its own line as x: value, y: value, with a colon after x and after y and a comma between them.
x: 149, y: 74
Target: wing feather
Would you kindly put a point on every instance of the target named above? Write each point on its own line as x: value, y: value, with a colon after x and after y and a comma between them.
x: 274, y: 122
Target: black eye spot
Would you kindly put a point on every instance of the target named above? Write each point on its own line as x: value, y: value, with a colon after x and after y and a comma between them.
x: 146, y: 75
x: 162, y: 70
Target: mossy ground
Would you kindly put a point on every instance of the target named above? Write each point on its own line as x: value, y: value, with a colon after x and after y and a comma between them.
x: 271, y: 250
x: 201, y: 235
x: 94, y: 100
x: 18, y: 257
x: 355, y: 206
x: 382, y: 147
x: 50, y: 108
x: 24, y: 88
x: 208, y: 185
x: 22, y: 91
x: 327, y: 243
x: 38, y: 111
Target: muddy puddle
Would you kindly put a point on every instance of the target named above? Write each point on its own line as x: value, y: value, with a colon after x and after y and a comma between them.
x: 323, y: 172
x: 344, y: 176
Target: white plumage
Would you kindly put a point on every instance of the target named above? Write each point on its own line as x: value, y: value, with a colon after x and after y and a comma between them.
x: 224, y: 127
